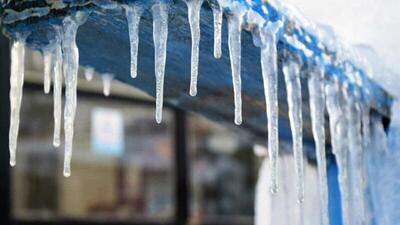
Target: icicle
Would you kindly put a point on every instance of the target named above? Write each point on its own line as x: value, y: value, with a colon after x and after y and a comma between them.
x: 353, y: 116
x: 217, y: 13
x: 194, y: 7
x: 107, y: 79
x: 338, y: 130
x: 89, y: 72
x: 317, y: 108
x: 47, y: 61
x: 17, y: 83
x: 292, y: 79
x: 269, y: 65
x: 57, y: 92
x: 70, y: 67
x: 235, y: 27
x: 365, y: 110
x: 160, y: 36
x: 133, y: 13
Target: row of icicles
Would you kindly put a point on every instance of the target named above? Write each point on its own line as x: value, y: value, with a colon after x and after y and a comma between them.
x: 61, y: 61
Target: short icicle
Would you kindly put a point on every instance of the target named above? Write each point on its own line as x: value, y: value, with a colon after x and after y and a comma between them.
x: 160, y: 37
x: 89, y: 72
x: 293, y: 87
x: 133, y: 14
x: 48, y: 64
x: 338, y: 130
x: 107, y: 79
x: 16, y: 89
x: 316, y: 87
x: 218, y: 18
x: 269, y: 66
x: 194, y: 8
x: 235, y: 22
x: 70, y: 67
x: 57, y: 92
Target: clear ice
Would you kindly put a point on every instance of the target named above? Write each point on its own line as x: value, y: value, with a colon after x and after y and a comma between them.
x: 194, y: 8
x: 47, y: 62
x: 218, y: 17
x: 269, y: 66
x: 133, y: 13
x: 160, y: 37
x: 70, y: 69
x: 107, y: 79
x: 338, y: 130
x: 89, y: 72
x: 16, y: 86
x: 57, y: 92
x: 235, y: 22
x: 316, y: 87
x: 291, y: 71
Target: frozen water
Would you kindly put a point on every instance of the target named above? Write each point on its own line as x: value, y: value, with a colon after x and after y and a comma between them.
x: 269, y: 65
x: 89, y: 72
x: 57, y: 92
x: 16, y: 86
x: 338, y: 129
x: 107, y: 79
x: 133, y: 13
x: 160, y: 36
x: 47, y: 61
x: 316, y: 86
x: 218, y: 13
x: 291, y: 71
x: 194, y: 8
x: 235, y: 41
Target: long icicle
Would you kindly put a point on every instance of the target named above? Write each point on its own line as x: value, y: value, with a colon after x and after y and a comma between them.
x: 218, y: 18
x: 293, y: 87
x: 16, y: 86
x: 57, y: 92
x: 316, y: 88
x: 353, y: 116
x: 133, y: 13
x: 70, y: 66
x: 48, y: 64
x: 194, y: 8
x: 160, y: 37
x: 338, y: 131
x: 235, y: 41
x: 269, y: 66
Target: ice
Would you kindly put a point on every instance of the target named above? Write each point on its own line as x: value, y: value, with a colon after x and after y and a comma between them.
x: 16, y: 89
x: 316, y: 86
x: 70, y: 69
x: 353, y: 116
x: 160, y: 36
x: 291, y: 71
x: 107, y: 79
x: 47, y: 61
x: 235, y: 22
x: 89, y: 72
x: 218, y: 17
x: 194, y: 8
x: 338, y: 130
x: 133, y: 13
x: 57, y: 92
x: 270, y: 77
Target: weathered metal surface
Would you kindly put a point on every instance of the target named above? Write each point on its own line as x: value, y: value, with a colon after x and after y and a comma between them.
x: 104, y: 44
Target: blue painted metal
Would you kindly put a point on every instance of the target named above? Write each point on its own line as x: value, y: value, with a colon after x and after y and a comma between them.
x: 103, y: 43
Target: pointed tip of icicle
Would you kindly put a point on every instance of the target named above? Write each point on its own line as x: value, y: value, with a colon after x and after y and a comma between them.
x: 274, y: 190
x: 238, y: 121
x: 217, y: 55
x: 193, y: 93
x: 133, y: 75
x: 300, y: 200
x: 12, y: 163
x: 158, y: 119
x: 67, y: 174
x: 56, y: 144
